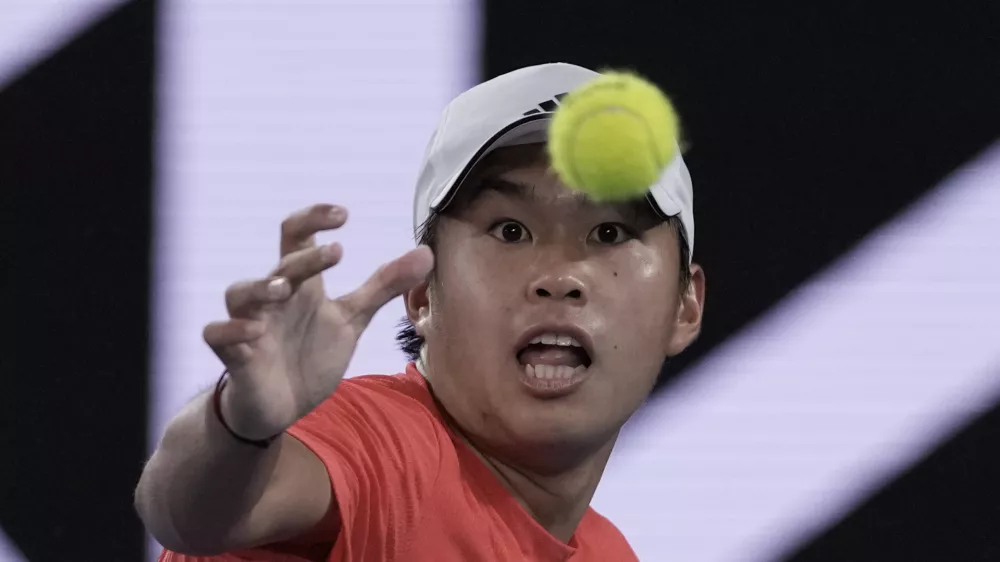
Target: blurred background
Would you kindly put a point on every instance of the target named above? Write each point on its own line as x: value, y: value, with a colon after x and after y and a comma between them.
x: 843, y: 403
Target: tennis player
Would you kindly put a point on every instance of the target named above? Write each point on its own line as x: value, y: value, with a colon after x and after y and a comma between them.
x: 537, y: 323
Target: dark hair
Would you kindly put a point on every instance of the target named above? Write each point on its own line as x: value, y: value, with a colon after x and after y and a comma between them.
x: 410, y: 342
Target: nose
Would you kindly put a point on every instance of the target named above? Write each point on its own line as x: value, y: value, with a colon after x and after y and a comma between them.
x: 558, y: 287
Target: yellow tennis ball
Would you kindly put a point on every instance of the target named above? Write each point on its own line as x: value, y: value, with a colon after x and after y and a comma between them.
x: 612, y: 137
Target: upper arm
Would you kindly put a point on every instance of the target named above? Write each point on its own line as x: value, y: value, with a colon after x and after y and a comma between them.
x: 351, y: 475
x: 293, y: 520
x: 297, y: 500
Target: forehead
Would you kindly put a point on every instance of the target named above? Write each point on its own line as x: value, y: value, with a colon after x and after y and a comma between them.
x: 522, y: 160
x: 523, y: 173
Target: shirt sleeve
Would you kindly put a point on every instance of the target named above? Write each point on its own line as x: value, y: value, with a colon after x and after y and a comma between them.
x: 382, y: 450
x: 275, y: 553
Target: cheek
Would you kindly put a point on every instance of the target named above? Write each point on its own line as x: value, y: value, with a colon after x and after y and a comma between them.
x: 475, y: 296
x: 481, y: 284
x: 642, y: 301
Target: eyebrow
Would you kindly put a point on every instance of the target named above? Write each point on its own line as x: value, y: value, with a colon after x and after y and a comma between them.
x: 507, y: 187
x: 522, y: 191
x: 631, y: 210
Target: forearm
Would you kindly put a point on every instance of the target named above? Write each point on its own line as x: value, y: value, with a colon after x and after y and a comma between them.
x: 199, y: 488
x: 286, y: 345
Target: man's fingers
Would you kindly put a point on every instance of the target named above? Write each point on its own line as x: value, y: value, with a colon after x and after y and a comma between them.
x: 229, y: 339
x: 298, y: 230
x: 233, y: 331
x: 245, y: 299
x: 304, y: 264
x: 391, y: 280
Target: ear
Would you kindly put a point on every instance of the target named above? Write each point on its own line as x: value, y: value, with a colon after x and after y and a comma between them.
x: 418, y: 306
x: 689, y: 313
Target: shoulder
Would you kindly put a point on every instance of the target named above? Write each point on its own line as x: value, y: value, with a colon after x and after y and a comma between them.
x: 408, y: 389
x: 598, y: 535
x: 381, y: 440
x: 377, y: 430
x: 398, y: 403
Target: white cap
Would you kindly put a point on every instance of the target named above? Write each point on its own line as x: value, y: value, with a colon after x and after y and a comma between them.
x: 512, y: 109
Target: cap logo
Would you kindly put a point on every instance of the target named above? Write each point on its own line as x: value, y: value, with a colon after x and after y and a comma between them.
x: 547, y: 106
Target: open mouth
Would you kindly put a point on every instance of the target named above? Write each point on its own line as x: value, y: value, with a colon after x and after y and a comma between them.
x: 553, y: 357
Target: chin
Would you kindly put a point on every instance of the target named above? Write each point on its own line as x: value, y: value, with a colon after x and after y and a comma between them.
x: 555, y: 424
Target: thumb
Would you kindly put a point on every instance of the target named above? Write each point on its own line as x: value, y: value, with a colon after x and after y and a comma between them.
x: 388, y: 282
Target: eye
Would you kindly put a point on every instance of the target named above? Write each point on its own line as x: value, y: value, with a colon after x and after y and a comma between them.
x: 611, y: 233
x: 510, y: 232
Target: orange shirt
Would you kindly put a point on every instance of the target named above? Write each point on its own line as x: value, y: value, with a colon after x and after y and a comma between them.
x: 408, y: 489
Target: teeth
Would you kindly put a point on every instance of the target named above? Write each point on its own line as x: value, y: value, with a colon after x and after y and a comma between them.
x: 552, y: 371
x: 556, y: 339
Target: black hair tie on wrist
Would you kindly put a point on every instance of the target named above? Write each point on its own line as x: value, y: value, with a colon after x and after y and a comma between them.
x: 217, y: 406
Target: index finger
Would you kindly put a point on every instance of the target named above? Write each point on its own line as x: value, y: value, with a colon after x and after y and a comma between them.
x: 299, y: 229
x: 389, y: 281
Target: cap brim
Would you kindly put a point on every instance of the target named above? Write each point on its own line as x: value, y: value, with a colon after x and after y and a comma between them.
x: 530, y: 129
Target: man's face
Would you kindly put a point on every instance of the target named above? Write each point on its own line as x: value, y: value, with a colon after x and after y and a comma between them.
x: 549, y: 316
